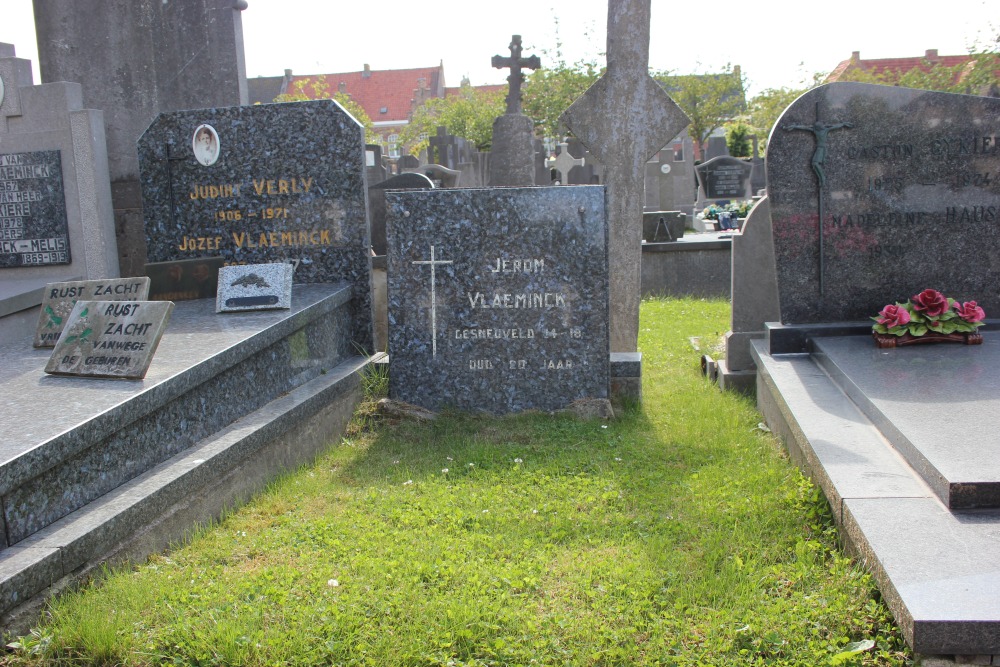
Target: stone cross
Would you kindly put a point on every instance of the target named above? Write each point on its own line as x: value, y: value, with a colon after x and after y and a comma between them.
x: 623, y: 119
x: 515, y: 62
x: 564, y: 162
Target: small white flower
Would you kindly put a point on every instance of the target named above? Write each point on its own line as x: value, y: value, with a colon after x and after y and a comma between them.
x: 534, y: 511
x: 396, y: 462
x: 518, y: 460
x: 332, y: 583
x: 472, y: 465
x: 617, y: 459
x: 604, y: 425
x: 444, y: 470
x: 486, y: 511
x: 449, y: 458
x: 408, y: 482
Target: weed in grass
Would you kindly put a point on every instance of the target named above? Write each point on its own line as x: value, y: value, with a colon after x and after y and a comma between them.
x: 678, y: 534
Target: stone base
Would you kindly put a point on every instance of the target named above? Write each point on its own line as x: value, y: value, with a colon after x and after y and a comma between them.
x: 626, y: 379
x: 742, y: 382
x: 936, y: 568
x: 512, y: 157
x: 114, y: 469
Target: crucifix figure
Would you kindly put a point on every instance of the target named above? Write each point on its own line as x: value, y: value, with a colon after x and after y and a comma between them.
x: 515, y: 62
x: 820, y: 131
x: 623, y: 119
x: 433, y: 264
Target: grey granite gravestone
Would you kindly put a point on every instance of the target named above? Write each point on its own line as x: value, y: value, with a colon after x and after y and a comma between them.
x: 135, y: 59
x: 59, y: 299
x: 110, y: 339
x: 254, y: 287
x: 55, y: 199
x: 724, y: 178
x: 376, y: 203
x: 624, y: 118
x: 512, y: 152
x: 878, y: 193
x: 498, y: 298
x: 287, y: 184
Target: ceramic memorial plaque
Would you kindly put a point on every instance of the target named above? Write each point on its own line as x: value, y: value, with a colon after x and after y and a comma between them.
x: 110, y: 339
x: 59, y: 299
x: 254, y: 287
x: 498, y: 298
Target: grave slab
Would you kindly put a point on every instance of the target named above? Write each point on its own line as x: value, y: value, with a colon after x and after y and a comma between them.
x: 901, y: 389
x: 498, y: 298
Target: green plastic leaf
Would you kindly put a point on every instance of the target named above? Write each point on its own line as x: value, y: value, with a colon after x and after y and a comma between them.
x: 918, y: 330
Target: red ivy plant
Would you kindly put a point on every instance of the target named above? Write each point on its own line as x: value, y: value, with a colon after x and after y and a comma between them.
x: 929, y: 311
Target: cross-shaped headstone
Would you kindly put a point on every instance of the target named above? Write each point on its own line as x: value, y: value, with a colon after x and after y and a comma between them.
x: 563, y: 162
x: 441, y: 149
x: 14, y: 73
x: 515, y: 62
x: 624, y: 118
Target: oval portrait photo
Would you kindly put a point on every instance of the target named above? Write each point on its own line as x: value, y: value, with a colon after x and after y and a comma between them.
x: 205, y: 145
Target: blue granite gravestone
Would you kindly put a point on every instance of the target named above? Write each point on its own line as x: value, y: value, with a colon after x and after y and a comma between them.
x: 272, y: 183
x: 498, y: 298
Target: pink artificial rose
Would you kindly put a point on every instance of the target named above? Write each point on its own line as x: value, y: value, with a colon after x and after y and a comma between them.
x: 931, y: 303
x: 970, y: 312
x: 894, y: 316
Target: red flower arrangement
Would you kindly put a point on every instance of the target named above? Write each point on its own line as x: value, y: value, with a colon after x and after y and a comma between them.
x: 929, y: 311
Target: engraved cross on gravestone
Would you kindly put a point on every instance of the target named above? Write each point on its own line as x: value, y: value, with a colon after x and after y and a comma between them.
x: 623, y: 119
x: 515, y: 62
x: 433, y: 264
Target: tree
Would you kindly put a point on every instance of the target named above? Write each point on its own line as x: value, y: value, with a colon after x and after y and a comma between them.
x: 316, y: 88
x: 738, y: 139
x: 549, y: 91
x: 765, y: 108
x: 469, y: 114
x: 709, y: 100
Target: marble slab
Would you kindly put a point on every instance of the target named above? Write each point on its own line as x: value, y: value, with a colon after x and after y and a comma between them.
x: 937, y: 404
x: 58, y: 300
x: 254, y: 287
x: 498, y: 298
x: 110, y: 339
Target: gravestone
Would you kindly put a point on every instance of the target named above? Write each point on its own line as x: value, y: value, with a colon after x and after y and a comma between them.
x: 564, y: 162
x: 512, y: 151
x: 723, y: 178
x: 758, y: 175
x: 184, y: 279
x: 59, y: 299
x: 498, y: 298
x: 624, y: 118
x: 376, y: 203
x: 288, y: 184
x: 716, y: 147
x: 110, y: 339
x: 254, y: 287
x: 591, y: 173
x: 670, y: 179
x: 56, y: 219
x: 134, y: 59
x: 663, y: 226
x: 374, y: 166
x: 408, y: 163
x: 878, y: 193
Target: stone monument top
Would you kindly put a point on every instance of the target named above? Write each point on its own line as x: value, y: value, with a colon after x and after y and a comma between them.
x: 515, y: 62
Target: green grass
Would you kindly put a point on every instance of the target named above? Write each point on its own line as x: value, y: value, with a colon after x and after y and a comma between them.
x: 677, y: 534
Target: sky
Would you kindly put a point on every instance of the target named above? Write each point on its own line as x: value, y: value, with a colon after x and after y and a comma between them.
x: 780, y: 44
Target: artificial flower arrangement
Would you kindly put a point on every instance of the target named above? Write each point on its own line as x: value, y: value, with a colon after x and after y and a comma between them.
x: 929, y: 317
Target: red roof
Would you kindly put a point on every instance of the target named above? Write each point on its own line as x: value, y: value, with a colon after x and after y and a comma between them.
x: 376, y: 90
x: 492, y: 88
x: 897, y: 65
